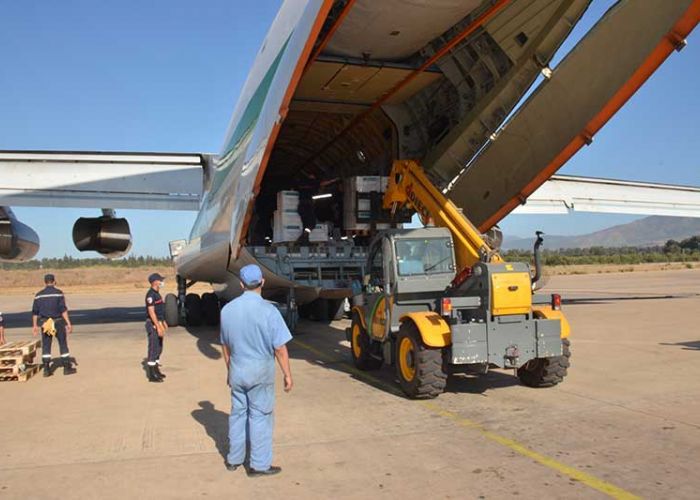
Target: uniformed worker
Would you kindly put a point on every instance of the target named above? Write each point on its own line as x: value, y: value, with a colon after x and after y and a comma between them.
x: 50, y: 314
x: 2, y: 329
x: 253, y: 334
x: 155, y: 327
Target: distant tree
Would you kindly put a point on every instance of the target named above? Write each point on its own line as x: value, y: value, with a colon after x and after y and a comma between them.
x: 691, y: 244
x: 672, y: 246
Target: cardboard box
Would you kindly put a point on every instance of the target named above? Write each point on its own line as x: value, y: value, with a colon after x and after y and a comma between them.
x: 287, y: 200
x: 286, y: 226
x: 320, y: 233
x: 365, y: 183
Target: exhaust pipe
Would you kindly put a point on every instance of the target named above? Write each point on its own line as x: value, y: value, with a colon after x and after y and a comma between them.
x: 538, y: 258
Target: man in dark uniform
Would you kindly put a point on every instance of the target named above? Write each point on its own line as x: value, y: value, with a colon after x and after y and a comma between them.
x: 155, y: 327
x: 2, y: 330
x: 49, y: 312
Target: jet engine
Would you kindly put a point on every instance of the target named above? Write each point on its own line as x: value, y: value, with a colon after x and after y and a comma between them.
x: 18, y: 242
x: 107, y: 235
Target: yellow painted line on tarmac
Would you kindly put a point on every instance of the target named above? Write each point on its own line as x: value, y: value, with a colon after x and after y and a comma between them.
x: 572, y: 472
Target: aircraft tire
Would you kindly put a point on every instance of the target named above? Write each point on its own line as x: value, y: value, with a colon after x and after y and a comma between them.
x: 193, y: 308
x: 172, y: 314
x: 210, y: 309
x: 319, y: 310
x: 336, y: 309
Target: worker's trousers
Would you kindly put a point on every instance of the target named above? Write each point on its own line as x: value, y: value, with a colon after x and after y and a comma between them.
x: 252, y: 418
x: 155, y: 342
x: 47, y: 340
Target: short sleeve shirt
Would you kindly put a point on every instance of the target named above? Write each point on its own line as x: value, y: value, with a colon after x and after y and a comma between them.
x: 153, y: 299
x: 252, y: 328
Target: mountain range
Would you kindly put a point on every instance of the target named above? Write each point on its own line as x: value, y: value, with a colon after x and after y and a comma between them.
x: 646, y: 232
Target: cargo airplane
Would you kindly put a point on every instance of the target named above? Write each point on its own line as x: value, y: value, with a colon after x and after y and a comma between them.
x: 339, y: 90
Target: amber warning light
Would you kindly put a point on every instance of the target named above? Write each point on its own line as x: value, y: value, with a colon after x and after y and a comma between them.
x: 556, y: 302
x: 446, y: 306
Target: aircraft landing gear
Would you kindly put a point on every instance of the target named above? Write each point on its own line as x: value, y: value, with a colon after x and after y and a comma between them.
x: 189, y: 308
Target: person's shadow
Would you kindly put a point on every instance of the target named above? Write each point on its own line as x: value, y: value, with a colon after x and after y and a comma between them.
x: 215, y: 422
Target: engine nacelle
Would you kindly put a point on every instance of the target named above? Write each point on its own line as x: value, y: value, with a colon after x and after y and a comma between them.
x: 109, y: 236
x: 18, y: 242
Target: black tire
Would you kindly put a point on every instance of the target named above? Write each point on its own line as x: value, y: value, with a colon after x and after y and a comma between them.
x: 319, y: 310
x: 546, y: 372
x: 210, y: 309
x: 305, y: 311
x: 193, y: 309
x: 336, y: 309
x: 360, y: 346
x: 420, y: 369
x: 172, y: 313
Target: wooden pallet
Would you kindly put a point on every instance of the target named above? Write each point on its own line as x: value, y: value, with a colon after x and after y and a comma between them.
x: 22, y: 376
x: 21, y: 348
x: 26, y: 359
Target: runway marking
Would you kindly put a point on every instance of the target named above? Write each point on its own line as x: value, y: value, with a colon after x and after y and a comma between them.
x: 572, y: 472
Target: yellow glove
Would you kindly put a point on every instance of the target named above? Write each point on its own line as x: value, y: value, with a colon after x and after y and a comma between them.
x: 49, y: 328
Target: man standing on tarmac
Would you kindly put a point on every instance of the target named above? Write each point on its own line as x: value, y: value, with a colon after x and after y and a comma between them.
x: 49, y: 312
x: 155, y: 327
x: 2, y: 330
x: 253, y: 334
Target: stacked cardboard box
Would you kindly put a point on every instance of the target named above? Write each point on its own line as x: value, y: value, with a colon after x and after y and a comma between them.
x: 286, y: 221
x: 288, y: 200
x: 357, y: 214
x: 320, y: 233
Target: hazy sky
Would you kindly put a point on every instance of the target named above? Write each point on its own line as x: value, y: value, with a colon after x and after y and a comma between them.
x: 165, y: 75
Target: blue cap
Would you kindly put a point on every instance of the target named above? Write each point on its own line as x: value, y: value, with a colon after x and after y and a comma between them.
x: 155, y: 277
x: 251, y: 275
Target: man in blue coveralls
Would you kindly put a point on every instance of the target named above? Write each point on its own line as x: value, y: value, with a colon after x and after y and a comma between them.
x: 253, y: 335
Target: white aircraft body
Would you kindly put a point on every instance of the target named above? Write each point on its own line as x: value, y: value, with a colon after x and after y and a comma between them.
x: 341, y: 89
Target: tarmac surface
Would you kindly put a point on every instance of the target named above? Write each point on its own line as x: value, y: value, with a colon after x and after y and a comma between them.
x: 625, y: 422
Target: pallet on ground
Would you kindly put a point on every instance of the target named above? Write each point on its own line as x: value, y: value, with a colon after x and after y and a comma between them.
x: 22, y: 376
x: 26, y: 359
x: 15, y: 369
x: 22, y: 347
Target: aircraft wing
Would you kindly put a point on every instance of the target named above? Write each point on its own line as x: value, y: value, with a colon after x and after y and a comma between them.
x: 589, y: 86
x: 146, y: 181
x: 563, y: 194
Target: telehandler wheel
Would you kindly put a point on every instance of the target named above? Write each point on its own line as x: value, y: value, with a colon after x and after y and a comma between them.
x: 546, y: 372
x: 359, y: 346
x: 419, y: 368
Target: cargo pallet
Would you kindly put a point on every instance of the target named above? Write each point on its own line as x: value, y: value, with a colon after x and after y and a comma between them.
x: 17, y: 361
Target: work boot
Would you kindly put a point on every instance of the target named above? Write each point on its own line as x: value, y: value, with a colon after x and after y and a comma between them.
x: 68, y: 366
x: 156, y: 369
x: 269, y: 472
x: 151, y: 373
x: 47, y: 367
